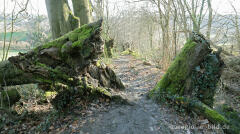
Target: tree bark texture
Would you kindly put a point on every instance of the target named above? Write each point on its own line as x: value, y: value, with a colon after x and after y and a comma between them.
x: 82, y: 9
x: 61, y: 18
x: 191, y: 81
x: 68, y: 65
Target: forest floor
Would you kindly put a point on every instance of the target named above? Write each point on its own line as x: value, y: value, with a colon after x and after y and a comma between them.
x: 140, y: 116
x: 143, y: 116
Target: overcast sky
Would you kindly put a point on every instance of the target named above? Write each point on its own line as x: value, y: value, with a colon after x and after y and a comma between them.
x: 221, y: 6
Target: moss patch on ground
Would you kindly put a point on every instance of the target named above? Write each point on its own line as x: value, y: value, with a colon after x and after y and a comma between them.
x: 130, y: 52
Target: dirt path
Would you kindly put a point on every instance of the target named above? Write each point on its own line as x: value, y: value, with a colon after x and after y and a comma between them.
x: 144, y: 116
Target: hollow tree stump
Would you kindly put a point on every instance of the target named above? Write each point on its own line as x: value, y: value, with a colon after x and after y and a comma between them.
x: 191, y: 81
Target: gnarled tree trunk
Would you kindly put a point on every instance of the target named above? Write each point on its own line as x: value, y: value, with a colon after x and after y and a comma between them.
x: 67, y: 65
x: 191, y: 81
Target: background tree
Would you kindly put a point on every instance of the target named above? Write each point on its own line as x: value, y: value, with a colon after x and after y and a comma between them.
x: 98, y: 8
x: 82, y: 9
x: 14, y: 16
x: 196, y: 12
x: 38, y: 34
x: 235, y: 21
x: 61, y: 18
x: 210, y: 18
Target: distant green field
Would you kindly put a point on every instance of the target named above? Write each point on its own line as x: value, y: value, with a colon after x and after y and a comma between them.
x: 11, y: 53
x: 19, y: 36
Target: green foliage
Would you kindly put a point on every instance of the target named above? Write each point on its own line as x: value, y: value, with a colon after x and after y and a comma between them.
x: 205, y: 78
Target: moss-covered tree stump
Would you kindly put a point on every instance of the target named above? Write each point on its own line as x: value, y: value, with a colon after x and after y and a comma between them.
x: 191, y: 81
x: 67, y: 65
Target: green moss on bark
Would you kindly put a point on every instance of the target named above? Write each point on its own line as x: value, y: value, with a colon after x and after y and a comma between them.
x: 83, y: 91
x: 77, y: 37
x: 9, y: 74
x: 191, y: 80
x: 227, y: 118
x: 64, y: 65
x: 200, y: 108
x: 52, y: 75
x: 232, y: 116
x: 173, y: 80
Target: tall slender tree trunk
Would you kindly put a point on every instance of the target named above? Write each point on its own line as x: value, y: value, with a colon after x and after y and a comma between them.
x: 192, y: 11
x: 237, y: 29
x: 175, y: 31
x: 183, y: 19
x: 237, y: 32
x: 150, y: 31
x: 99, y: 8
x: 82, y: 9
x: 165, y: 29
x: 209, y: 19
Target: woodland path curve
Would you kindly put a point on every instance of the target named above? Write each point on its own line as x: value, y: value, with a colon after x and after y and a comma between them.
x: 144, y: 116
